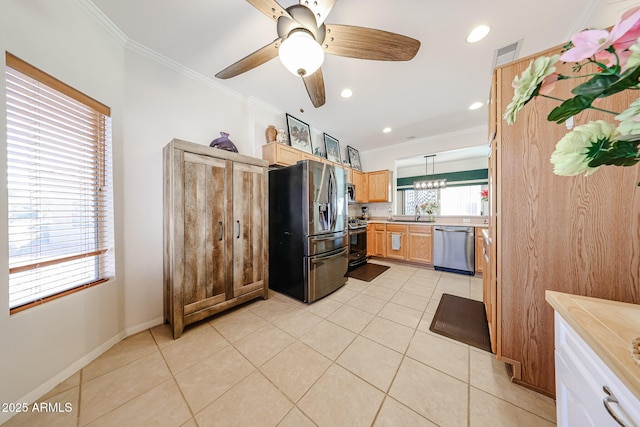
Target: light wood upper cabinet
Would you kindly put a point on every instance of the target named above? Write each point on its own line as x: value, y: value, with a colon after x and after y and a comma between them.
x: 400, y: 233
x: 280, y: 154
x: 420, y: 244
x: 380, y: 186
x: 215, y: 231
x: 360, y: 181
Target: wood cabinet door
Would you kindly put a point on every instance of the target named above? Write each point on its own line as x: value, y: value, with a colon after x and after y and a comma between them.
x: 479, y: 251
x: 249, y: 227
x: 371, y: 244
x: 401, y: 252
x: 378, y: 186
x: 379, y: 240
x: 362, y: 190
x: 420, y: 244
x: 204, y: 223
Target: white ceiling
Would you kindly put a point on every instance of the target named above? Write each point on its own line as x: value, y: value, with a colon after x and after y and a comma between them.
x: 426, y: 96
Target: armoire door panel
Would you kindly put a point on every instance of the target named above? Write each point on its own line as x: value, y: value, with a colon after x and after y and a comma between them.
x: 248, y: 239
x: 203, y: 219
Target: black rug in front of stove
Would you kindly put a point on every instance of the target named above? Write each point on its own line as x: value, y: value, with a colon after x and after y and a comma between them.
x: 462, y: 319
x: 367, y: 272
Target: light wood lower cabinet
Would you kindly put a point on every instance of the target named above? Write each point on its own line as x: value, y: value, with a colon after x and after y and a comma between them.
x: 376, y: 240
x: 420, y: 244
x: 215, y: 231
x: 479, y: 251
x: 400, y: 233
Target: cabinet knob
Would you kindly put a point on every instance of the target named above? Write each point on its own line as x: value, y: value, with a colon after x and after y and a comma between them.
x: 607, y: 401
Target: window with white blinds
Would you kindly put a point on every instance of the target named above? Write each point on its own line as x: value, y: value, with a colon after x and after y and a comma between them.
x: 60, y: 205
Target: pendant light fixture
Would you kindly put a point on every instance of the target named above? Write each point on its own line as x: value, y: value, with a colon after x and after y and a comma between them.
x: 433, y: 183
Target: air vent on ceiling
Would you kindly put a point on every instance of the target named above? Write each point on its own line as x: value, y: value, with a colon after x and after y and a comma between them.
x: 506, y: 54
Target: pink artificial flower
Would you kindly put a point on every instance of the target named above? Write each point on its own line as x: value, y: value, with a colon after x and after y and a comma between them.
x: 548, y: 84
x: 586, y: 44
x: 591, y: 42
x: 627, y: 31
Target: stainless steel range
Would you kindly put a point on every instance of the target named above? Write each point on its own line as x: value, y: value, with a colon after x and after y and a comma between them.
x: 357, y: 243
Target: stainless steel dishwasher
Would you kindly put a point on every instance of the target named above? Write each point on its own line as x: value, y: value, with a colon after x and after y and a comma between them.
x: 454, y: 249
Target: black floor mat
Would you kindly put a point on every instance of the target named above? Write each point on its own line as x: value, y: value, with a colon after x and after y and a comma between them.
x: 367, y: 272
x: 462, y: 319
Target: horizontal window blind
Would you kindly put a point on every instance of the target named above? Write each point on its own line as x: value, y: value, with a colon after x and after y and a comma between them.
x: 60, y: 204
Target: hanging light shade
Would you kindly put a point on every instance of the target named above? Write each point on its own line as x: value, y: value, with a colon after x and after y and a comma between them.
x: 300, y: 53
x: 430, y: 184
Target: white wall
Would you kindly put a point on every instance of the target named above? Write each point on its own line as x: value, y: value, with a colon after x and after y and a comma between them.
x: 152, y: 101
x: 43, y: 343
x: 384, y: 158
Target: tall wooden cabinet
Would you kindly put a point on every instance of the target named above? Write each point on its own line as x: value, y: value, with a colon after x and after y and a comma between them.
x: 579, y: 235
x: 215, y: 231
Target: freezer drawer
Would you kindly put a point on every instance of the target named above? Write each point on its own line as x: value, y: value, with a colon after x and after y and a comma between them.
x: 325, y: 273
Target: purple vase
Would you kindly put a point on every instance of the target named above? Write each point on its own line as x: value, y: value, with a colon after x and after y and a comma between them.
x: 223, y: 143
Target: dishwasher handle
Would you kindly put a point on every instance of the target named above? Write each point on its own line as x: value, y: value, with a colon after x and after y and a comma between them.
x: 454, y: 230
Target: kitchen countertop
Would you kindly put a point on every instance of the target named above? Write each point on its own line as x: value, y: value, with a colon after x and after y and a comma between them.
x: 437, y: 222
x: 608, y: 327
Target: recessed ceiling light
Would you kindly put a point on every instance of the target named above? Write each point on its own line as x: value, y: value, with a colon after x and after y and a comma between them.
x: 478, y: 33
x: 475, y: 105
x: 346, y: 93
x: 386, y: 130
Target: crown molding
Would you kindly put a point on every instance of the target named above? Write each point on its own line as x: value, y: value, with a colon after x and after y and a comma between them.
x: 112, y: 29
x: 98, y: 16
x: 144, y: 51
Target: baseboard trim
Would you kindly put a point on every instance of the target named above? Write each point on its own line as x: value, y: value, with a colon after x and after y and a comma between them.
x: 52, y: 382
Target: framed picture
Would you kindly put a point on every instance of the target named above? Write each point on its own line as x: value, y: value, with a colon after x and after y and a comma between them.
x: 299, y: 134
x: 332, y: 147
x: 354, y: 158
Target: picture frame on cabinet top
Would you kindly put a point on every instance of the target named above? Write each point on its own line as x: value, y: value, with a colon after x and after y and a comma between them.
x: 332, y: 148
x: 354, y: 158
x: 299, y: 134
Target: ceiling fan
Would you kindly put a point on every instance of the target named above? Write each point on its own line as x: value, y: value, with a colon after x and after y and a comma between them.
x: 304, y: 38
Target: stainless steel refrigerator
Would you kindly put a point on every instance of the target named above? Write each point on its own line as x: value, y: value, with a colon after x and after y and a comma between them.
x: 308, y: 234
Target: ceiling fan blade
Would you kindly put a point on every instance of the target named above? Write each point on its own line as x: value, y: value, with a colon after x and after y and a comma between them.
x: 315, y: 88
x: 320, y: 8
x: 251, y: 61
x: 368, y: 43
x: 270, y: 8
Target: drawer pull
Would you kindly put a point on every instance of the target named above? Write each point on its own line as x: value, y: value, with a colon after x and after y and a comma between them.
x: 607, y: 401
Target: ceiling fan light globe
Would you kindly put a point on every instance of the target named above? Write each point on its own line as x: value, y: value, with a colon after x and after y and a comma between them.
x: 301, y: 54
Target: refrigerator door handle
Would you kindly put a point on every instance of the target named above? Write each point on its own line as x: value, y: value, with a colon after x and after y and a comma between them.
x: 324, y: 239
x: 317, y: 259
x: 334, y: 198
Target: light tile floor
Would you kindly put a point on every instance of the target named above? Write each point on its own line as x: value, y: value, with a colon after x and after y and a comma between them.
x: 363, y: 356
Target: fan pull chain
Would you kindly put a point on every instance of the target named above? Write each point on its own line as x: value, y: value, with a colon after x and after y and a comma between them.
x: 301, y: 99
